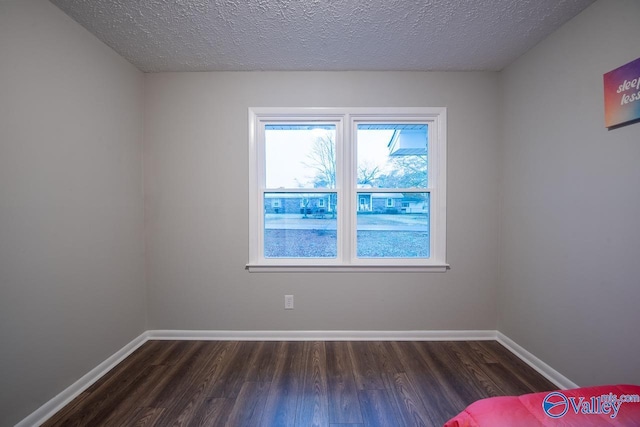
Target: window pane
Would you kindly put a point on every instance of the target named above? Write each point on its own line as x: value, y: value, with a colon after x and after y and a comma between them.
x: 300, y: 225
x: 300, y: 156
x: 392, y: 155
x: 393, y: 225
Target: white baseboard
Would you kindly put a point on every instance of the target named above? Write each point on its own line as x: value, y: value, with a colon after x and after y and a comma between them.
x: 542, y: 368
x: 322, y: 335
x: 47, y: 410
x: 58, y: 402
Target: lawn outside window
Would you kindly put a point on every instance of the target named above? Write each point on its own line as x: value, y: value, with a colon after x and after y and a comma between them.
x: 347, y: 189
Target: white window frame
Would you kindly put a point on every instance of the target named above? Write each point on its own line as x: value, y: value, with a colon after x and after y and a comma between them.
x: 346, y: 121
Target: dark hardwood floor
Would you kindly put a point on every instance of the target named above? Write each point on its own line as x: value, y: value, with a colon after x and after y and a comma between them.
x: 313, y: 383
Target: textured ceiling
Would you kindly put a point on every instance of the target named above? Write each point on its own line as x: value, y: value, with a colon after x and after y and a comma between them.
x: 216, y: 35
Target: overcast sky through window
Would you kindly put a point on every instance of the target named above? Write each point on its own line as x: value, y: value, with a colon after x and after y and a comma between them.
x: 289, y: 157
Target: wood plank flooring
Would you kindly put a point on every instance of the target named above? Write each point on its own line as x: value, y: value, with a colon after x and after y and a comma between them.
x: 299, y: 384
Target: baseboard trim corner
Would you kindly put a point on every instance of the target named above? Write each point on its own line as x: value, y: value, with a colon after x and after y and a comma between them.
x: 541, y: 367
x: 59, y: 401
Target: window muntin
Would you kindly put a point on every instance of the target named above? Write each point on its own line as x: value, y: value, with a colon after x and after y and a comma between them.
x: 387, y: 209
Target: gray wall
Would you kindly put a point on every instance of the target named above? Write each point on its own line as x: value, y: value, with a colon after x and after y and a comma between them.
x: 71, y: 213
x: 570, y: 238
x: 196, y: 201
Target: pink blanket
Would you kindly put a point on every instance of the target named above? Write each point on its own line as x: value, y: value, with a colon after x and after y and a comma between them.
x: 610, y: 405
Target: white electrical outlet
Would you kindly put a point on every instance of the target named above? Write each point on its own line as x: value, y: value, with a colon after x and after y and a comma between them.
x: 288, y: 302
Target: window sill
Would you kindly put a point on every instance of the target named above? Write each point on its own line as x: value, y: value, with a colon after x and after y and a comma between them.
x: 262, y: 268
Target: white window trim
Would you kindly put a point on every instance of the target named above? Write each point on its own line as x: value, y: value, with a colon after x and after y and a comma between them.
x: 346, y: 120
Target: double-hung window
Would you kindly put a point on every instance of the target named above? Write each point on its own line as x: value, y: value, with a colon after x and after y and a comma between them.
x: 347, y: 189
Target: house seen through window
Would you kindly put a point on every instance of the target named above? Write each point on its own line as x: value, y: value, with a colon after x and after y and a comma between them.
x: 349, y: 189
